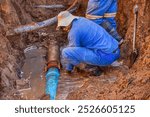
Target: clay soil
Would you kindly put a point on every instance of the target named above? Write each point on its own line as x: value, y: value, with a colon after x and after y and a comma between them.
x: 130, y: 83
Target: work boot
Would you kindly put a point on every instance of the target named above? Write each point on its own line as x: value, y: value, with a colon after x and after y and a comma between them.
x: 92, y: 70
x: 96, y: 72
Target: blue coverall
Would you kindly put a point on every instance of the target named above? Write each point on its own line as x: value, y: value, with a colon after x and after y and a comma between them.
x: 89, y: 43
x: 100, y: 8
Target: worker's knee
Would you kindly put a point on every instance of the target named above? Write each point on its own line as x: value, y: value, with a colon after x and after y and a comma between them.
x: 66, y: 52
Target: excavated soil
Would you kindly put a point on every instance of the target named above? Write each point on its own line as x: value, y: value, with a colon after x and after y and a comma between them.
x: 115, y: 83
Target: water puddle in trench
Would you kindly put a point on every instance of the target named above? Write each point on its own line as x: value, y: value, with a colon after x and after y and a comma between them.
x: 33, y: 72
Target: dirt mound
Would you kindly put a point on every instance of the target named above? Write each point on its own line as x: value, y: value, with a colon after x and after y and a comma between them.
x: 131, y: 83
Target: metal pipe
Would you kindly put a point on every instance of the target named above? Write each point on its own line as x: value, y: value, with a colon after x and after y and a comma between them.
x: 52, y: 75
x: 53, y: 54
x: 34, y: 26
x: 49, y: 6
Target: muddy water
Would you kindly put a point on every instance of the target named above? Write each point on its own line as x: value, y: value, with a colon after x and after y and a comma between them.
x: 69, y: 83
x: 33, y: 70
x: 76, y: 81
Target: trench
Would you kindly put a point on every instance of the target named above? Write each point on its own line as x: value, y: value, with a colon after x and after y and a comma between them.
x: 24, y: 76
x: 32, y: 82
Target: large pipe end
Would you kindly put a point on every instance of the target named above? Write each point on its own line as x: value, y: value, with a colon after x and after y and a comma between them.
x: 53, y: 55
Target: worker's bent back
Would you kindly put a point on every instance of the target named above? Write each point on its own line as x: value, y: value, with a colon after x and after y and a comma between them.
x: 85, y: 33
x: 89, y: 43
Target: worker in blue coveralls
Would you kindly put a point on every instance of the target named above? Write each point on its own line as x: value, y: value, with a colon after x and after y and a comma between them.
x: 88, y: 42
x: 102, y: 12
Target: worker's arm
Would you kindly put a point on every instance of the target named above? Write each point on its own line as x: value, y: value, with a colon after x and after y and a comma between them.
x: 73, y: 40
x: 76, y: 3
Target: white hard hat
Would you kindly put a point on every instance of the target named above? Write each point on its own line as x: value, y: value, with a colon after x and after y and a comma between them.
x: 65, y: 18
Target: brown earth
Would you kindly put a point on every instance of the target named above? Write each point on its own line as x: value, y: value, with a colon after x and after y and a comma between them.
x: 131, y: 83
